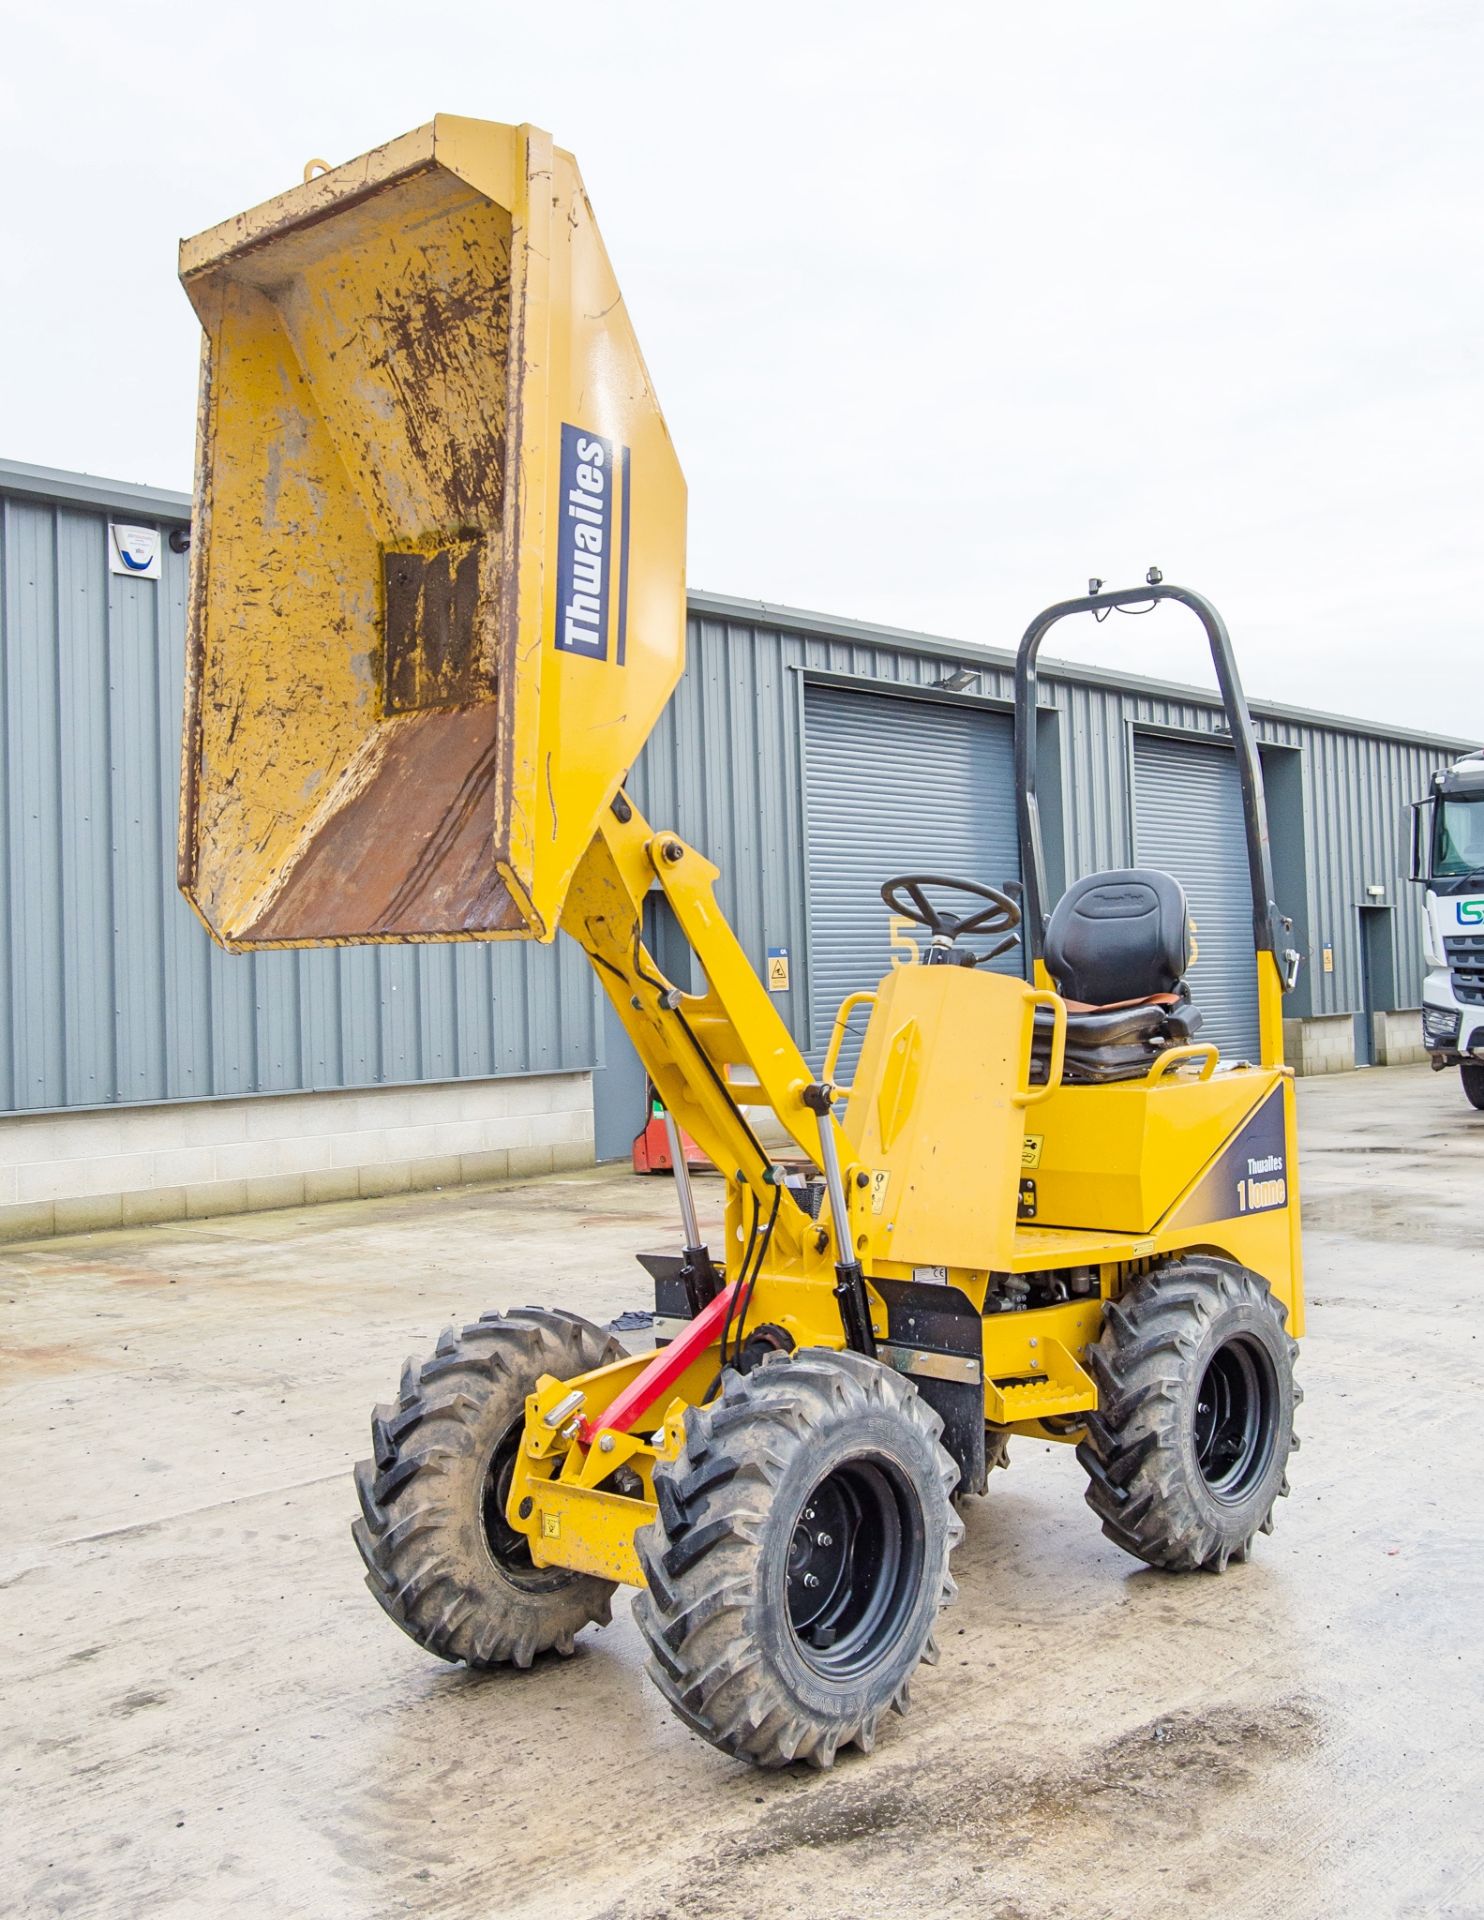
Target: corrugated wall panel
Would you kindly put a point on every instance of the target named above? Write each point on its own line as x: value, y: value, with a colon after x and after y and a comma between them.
x: 10, y: 828
x: 33, y: 718
x: 895, y: 785
x: 110, y: 991
x: 1188, y: 822
x: 1356, y: 793
x: 86, y: 903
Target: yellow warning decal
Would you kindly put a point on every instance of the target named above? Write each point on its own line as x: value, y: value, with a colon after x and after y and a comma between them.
x: 1030, y: 1151
x: 551, y: 1526
x: 878, y: 1191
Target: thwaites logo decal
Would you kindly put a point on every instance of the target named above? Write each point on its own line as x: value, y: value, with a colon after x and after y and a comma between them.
x: 593, y: 520
x: 1251, y: 1176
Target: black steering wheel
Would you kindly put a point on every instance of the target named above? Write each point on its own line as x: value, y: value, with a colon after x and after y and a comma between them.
x: 906, y: 896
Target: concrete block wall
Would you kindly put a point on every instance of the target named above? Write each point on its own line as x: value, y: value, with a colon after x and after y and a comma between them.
x: 124, y: 1166
x: 1324, y: 1043
x: 1399, y: 1038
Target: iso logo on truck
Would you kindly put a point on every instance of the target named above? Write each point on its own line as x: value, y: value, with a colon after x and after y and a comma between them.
x: 594, y: 473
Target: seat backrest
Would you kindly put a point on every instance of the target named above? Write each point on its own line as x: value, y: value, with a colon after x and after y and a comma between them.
x: 1119, y: 936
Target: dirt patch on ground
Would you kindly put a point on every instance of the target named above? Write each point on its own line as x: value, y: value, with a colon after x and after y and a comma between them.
x: 973, y: 1827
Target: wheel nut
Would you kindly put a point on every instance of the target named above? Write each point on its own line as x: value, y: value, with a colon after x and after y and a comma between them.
x: 811, y: 1580
x: 824, y: 1540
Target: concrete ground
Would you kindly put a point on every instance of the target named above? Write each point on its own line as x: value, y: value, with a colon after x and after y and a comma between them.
x: 205, y: 1713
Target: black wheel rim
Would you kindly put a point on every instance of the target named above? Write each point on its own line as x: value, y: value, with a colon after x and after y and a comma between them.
x: 854, y: 1567
x: 1234, y: 1419
x: 510, y: 1550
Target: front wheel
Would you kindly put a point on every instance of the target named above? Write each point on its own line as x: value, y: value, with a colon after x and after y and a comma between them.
x: 1472, y: 1075
x: 440, y: 1556
x: 1187, y: 1451
x: 799, y: 1558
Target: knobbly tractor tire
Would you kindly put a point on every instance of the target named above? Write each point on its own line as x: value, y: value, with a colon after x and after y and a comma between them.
x: 440, y: 1556
x: 800, y: 1557
x: 1188, y: 1449
x: 1473, y: 1083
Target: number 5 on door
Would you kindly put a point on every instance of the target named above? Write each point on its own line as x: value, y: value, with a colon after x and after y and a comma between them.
x: 905, y: 951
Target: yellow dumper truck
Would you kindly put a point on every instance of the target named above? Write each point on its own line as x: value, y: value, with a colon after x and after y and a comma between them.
x: 437, y: 606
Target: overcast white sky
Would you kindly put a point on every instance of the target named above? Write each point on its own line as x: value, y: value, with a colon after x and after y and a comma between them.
x: 947, y: 306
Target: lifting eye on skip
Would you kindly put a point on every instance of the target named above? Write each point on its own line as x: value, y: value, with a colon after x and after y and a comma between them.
x: 1039, y: 1203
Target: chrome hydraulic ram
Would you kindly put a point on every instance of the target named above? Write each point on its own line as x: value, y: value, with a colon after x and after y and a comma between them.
x: 702, y: 1283
x: 850, y: 1280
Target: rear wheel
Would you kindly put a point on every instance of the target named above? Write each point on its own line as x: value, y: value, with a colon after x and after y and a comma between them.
x: 1472, y: 1075
x: 799, y: 1558
x: 1187, y: 1451
x: 440, y: 1555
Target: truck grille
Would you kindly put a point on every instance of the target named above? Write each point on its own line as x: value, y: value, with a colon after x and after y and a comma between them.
x: 1465, y: 956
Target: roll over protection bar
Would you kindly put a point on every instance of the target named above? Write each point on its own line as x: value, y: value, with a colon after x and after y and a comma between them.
x: 1271, y: 930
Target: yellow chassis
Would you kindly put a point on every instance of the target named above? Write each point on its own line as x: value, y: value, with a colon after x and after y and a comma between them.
x: 939, y: 1129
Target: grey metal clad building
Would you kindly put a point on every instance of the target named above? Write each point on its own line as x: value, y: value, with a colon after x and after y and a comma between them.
x: 808, y: 756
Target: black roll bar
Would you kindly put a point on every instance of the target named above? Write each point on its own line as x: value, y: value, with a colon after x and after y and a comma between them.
x: 1271, y: 931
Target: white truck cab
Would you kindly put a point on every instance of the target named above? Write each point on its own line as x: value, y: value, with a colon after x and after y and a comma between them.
x: 1448, y: 863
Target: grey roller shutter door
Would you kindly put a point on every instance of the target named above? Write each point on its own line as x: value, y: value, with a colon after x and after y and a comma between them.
x: 895, y: 785
x: 1188, y: 821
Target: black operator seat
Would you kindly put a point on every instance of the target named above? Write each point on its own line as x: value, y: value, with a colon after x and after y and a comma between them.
x: 1117, y: 947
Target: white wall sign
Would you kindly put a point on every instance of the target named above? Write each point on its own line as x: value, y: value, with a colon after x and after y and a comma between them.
x: 134, y: 550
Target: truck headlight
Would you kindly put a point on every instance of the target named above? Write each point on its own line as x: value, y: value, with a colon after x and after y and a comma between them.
x: 1439, y: 1026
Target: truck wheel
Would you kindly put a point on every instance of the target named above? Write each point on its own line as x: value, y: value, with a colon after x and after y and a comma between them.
x: 440, y: 1556
x: 799, y: 1558
x: 1187, y: 1451
x: 1472, y: 1076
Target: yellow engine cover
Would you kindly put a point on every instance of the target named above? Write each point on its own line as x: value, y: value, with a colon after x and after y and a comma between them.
x: 438, y: 551
x: 1118, y: 1157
